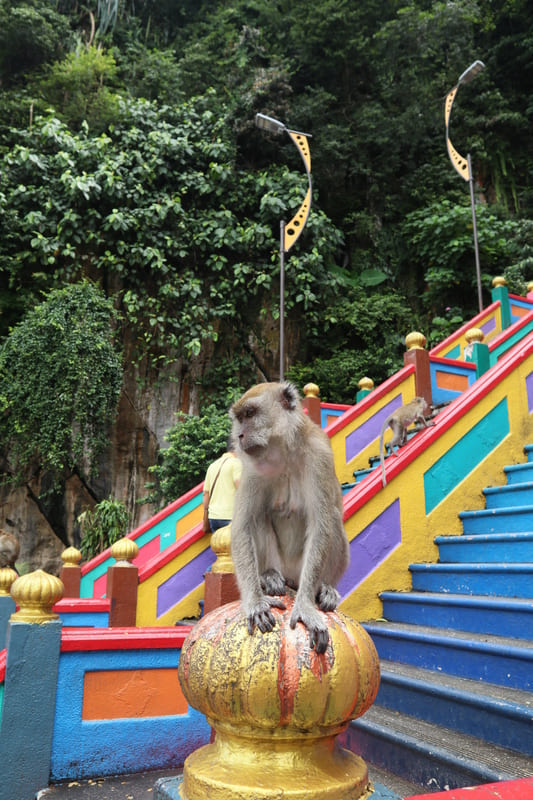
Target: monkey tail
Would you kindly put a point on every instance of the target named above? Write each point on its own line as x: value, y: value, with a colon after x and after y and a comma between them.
x: 382, y: 453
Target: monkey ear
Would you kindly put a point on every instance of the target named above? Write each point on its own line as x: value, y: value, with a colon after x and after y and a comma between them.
x: 289, y: 396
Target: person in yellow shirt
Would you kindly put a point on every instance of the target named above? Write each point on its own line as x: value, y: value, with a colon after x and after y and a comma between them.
x: 220, y: 484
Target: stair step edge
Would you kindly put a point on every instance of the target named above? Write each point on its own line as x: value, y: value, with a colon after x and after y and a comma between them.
x: 512, y: 703
x: 452, y: 745
x: 472, y: 600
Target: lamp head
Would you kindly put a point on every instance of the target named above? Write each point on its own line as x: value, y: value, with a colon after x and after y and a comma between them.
x: 269, y: 124
x: 470, y: 72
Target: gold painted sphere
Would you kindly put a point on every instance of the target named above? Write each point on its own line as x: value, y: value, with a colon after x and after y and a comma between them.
x: 415, y: 341
x: 274, y: 682
x: 311, y: 390
x: 499, y: 280
x: 7, y: 577
x: 71, y: 557
x: 124, y: 550
x: 35, y: 594
x: 366, y: 383
x: 474, y: 335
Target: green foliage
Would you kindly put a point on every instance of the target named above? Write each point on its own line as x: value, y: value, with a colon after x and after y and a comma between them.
x: 193, y: 443
x: 440, y: 240
x: 31, y: 34
x: 105, y: 524
x: 78, y: 86
x: 158, y: 210
x: 364, y: 336
x: 60, y: 378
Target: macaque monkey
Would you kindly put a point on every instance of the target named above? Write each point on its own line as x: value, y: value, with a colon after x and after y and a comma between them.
x: 399, y: 421
x: 9, y: 549
x: 287, y: 527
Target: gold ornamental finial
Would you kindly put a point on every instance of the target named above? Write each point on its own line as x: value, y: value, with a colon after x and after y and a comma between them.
x: 7, y: 577
x: 221, y: 546
x: 530, y: 286
x: 474, y: 335
x: 415, y: 341
x: 366, y: 384
x: 71, y: 557
x: 35, y: 594
x: 124, y: 551
x: 311, y: 390
x: 277, y: 707
x: 499, y: 280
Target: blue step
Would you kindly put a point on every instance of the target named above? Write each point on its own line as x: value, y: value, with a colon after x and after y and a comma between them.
x: 482, y: 657
x: 504, y: 580
x: 491, y: 548
x: 498, y: 520
x: 500, y: 715
x: 519, y: 473
x: 477, y: 614
x: 528, y: 450
x: 516, y: 494
x: 436, y: 758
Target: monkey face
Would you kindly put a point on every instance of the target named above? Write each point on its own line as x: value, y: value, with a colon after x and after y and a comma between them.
x: 263, y: 417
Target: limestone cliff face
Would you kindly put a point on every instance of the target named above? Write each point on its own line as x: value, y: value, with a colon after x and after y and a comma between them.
x: 46, y: 524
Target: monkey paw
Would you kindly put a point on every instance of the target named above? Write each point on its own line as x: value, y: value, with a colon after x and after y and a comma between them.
x: 327, y: 597
x: 272, y: 582
x: 261, y: 616
x: 316, y: 627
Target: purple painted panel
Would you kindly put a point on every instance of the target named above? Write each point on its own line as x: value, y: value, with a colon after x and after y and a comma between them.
x: 184, y: 581
x: 489, y: 325
x: 373, y: 545
x: 369, y: 430
x: 529, y: 390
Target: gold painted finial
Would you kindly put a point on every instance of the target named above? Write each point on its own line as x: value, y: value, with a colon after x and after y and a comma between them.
x: 311, y: 390
x: 124, y: 551
x: 499, y: 280
x: 366, y: 384
x: 35, y: 594
x: 221, y: 546
x: 276, y: 706
x: 71, y: 557
x: 530, y: 286
x: 474, y: 335
x: 7, y: 577
x: 415, y: 341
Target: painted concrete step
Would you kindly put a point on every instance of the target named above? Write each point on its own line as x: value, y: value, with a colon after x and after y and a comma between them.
x: 502, y: 616
x: 505, y: 548
x: 528, y: 450
x: 516, y: 494
x: 498, y: 520
x: 482, y: 657
x: 519, y: 473
x: 431, y: 755
x: 502, y: 580
x: 494, y: 713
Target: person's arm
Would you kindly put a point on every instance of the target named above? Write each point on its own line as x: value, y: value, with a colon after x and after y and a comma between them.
x: 205, y: 503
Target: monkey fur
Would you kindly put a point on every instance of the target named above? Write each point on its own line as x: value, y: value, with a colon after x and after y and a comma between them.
x: 9, y: 549
x: 399, y: 421
x: 287, y: 527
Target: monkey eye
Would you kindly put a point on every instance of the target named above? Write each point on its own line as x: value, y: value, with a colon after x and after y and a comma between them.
x: 249, y: 412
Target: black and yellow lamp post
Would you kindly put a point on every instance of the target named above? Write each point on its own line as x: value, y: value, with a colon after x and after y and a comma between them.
x: 289, y: 232
x: 464, y: 165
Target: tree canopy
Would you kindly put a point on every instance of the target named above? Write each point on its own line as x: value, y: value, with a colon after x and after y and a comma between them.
x: 129, y: 159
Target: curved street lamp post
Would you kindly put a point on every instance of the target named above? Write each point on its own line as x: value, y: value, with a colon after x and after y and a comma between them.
x: 464, y: 165
x: 289, y: 232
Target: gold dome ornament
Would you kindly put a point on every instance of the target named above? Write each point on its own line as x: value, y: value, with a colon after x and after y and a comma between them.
x: 71, y: 557
x: 124, y: 551
x: 7, y: 578
x: 35, y: 594
x: 277, y: 707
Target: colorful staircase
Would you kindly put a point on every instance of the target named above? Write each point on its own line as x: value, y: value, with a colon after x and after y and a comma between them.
x: 455, y: 706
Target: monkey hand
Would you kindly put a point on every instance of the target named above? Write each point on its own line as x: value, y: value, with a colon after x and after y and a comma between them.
x: 261, y: 615
x: 327, y: 597
x: 272, y: 582
x: 315, y: 624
